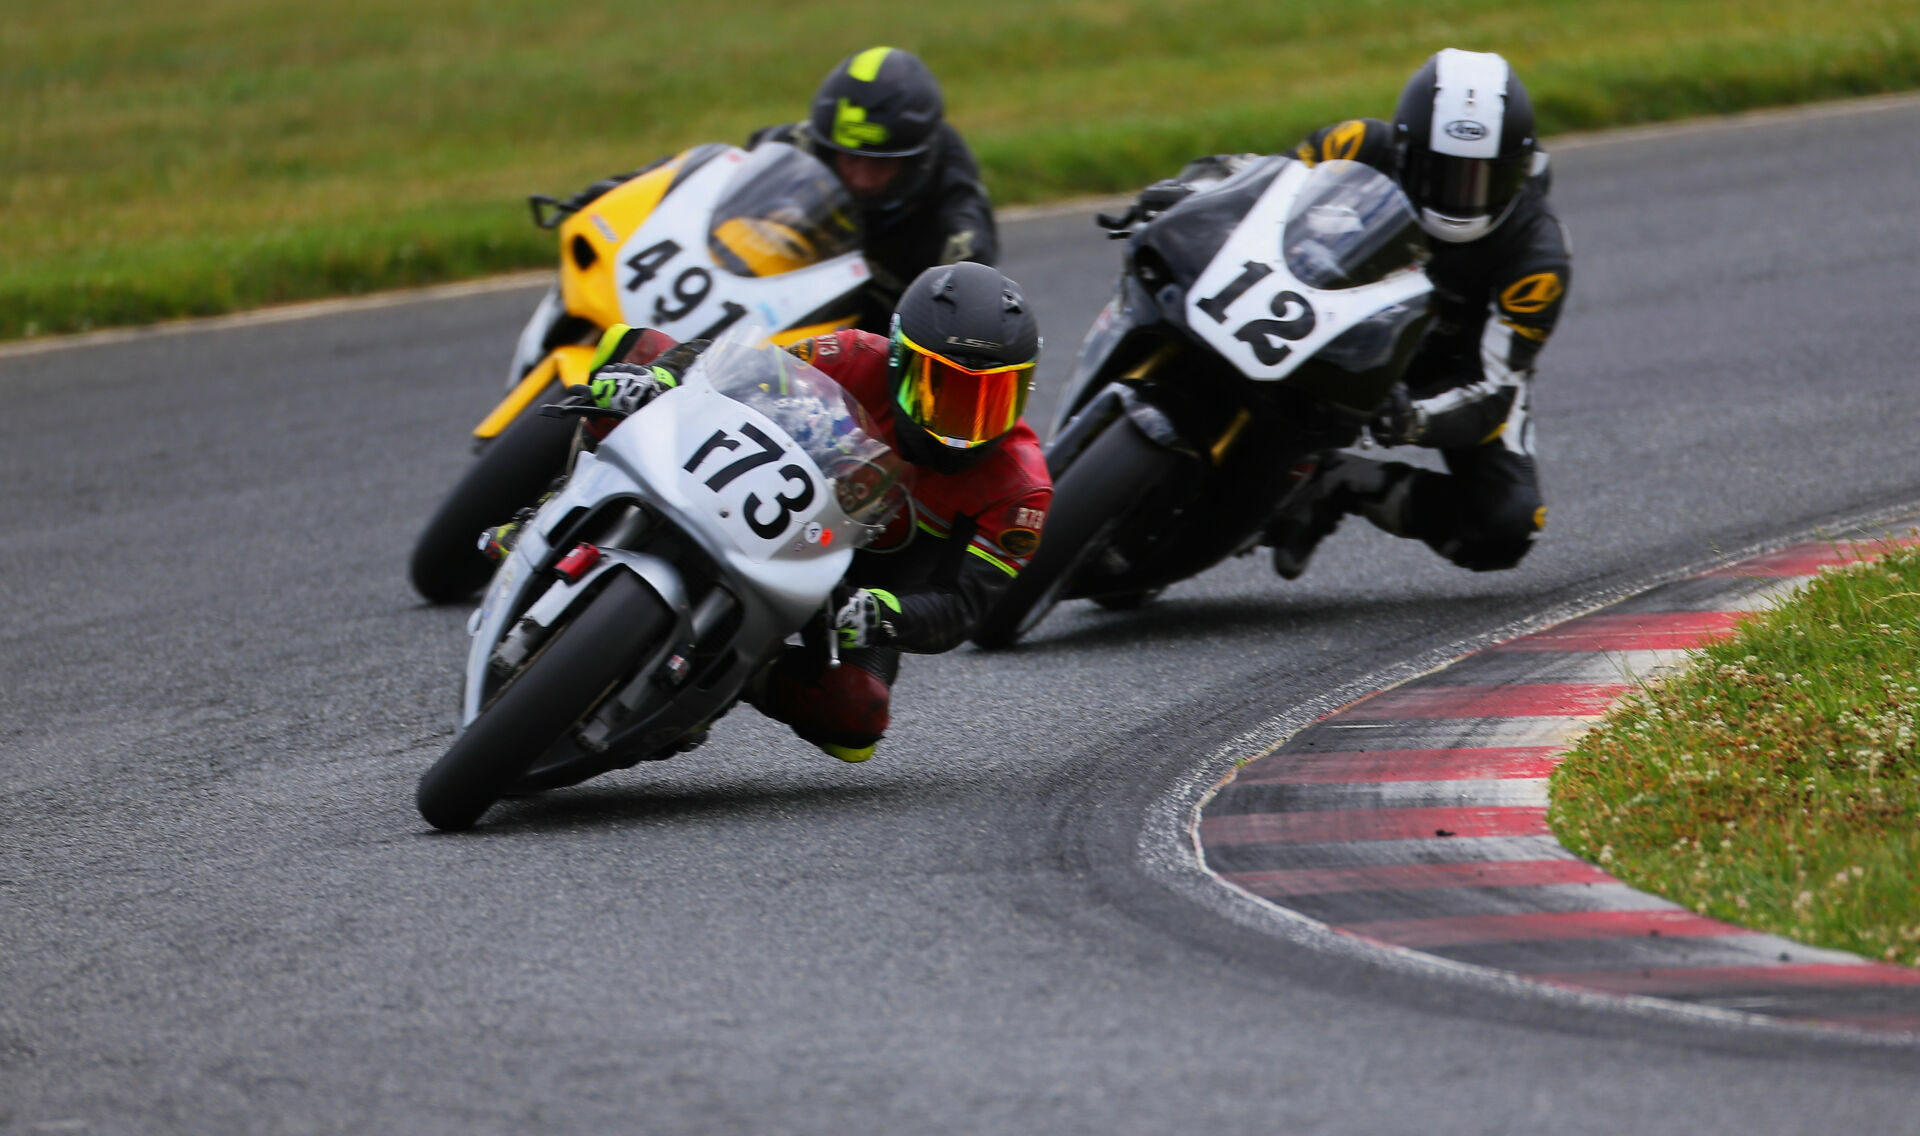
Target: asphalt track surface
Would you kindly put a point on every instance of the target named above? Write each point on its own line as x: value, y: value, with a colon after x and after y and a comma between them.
x: 219, y: 913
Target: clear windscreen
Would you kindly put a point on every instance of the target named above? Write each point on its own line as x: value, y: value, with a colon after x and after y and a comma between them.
x: 1349, y: 226
x: 869, y: 479
x: 783, y: 211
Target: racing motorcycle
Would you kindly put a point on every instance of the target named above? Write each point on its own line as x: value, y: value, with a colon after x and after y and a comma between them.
x: 1259, y: 321
x: 678, y: 556
x: 691, y: 246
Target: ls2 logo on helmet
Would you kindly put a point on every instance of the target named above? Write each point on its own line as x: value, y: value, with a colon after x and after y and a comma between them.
x: 1466, y: 130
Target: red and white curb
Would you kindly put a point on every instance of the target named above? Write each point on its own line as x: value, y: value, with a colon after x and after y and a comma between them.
x: 1416, y: 817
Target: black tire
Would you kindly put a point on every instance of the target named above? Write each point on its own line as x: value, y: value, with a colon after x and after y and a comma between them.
x: 1090, y: 500
x: 577, y: 667
x: 447, y: 564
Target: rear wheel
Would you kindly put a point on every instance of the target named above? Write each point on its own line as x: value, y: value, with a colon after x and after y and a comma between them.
x: 447, y: 564
x: 576, y: 669
x: 1090, y: 500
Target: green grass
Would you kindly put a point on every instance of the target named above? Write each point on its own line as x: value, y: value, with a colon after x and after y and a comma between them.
x: 1776, y: 782
x: 182, y: 159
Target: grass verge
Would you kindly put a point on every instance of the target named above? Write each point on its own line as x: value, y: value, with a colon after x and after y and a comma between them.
x: 169, y: 160
x: 1776, y: 782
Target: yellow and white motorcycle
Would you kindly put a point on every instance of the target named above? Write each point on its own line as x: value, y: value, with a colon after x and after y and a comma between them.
x: 691, y: 246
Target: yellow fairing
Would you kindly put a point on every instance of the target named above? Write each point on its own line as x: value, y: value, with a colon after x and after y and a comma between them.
x: 763, y: 247
x: 568, y: 364
x: 593, y: 292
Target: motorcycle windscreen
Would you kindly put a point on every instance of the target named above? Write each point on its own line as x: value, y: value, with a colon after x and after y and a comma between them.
x: 870, y: 482
x: 1350, y: 226
x: 783, y: 211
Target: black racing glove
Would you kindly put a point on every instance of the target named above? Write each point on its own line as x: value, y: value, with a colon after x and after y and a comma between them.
x: 1400, y: 421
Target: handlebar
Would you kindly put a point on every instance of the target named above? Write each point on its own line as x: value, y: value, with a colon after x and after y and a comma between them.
x: 579, y: 410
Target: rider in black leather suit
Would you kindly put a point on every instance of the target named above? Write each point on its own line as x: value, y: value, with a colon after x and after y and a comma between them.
x: 1462, y: 146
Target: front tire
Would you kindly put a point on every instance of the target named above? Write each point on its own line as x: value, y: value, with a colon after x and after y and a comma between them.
x: 1090, y: 500
x: 447, y: 564
x: 581, y: 663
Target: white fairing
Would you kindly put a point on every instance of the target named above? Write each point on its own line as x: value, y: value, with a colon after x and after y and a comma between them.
x: 721, y: 471
x: 687, y: 293
x: 1265, y: 317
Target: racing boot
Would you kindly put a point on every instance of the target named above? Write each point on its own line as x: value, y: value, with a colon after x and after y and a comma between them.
x: 1343, y: 484
x: 843, y: 710
x: 495, y: 543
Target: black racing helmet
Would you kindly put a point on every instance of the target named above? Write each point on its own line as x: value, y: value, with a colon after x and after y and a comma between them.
x: 961, y: 364
x: 1464, y: 130
x: 881, y: 102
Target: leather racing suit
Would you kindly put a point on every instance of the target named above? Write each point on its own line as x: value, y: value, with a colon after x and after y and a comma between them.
x: 1497, y: 299
x: 946, y: 559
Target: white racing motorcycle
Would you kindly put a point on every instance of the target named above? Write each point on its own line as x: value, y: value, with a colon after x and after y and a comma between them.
x: 700, y: 241
x: 680, y: 554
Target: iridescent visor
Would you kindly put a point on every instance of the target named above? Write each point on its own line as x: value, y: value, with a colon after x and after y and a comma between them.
x: 960, y: 406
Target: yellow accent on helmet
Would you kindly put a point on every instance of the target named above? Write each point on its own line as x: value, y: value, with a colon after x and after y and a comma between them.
x: 851, y: 130
x: 866, y: 65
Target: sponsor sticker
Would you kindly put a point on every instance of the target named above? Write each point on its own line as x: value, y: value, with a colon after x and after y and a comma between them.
x: 1531, y: 294
x: 1020, y: 542
x: 1465, y: 129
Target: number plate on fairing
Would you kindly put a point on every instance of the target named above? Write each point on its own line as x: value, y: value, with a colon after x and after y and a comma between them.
x: 762, y: 488
x: 1251, y: 309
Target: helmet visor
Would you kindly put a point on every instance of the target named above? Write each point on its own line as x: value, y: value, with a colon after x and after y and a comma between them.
x: 960, y: 406
x: 1465, y: 188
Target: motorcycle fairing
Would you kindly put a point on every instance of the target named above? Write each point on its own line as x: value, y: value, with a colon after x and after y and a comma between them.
x: 670, y: 280
x: 1250, y: 306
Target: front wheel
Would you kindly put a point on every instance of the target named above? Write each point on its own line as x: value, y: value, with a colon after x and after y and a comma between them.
x: 1090, y: 500
x: 579, y: 666
x: 447, y: 564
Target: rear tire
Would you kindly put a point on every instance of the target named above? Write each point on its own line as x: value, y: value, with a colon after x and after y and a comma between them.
x: 584, y: 660
x: 447, y: 564
x: 1090, y: 500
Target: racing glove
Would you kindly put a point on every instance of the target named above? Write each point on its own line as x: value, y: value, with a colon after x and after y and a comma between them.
x: 626, y: 387
x: 862, y: 618
x: 1400, y: 421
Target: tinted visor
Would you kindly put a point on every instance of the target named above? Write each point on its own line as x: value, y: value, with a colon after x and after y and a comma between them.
x: 1465, y: 188
x: 960, y: 406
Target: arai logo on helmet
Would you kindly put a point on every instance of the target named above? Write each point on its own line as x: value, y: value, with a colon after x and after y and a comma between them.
x: 1466, y: 130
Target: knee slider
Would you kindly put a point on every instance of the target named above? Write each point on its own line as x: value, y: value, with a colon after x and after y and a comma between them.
x: 846, y: 705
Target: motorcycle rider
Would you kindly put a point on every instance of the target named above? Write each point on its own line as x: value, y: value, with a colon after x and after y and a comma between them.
x: 1462, y: 147
x: 878, y: 121
x: 945, y: 390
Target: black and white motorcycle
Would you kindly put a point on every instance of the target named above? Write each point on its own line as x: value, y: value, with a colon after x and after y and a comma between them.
x: 678, y: 557
x: 1259, y: 322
